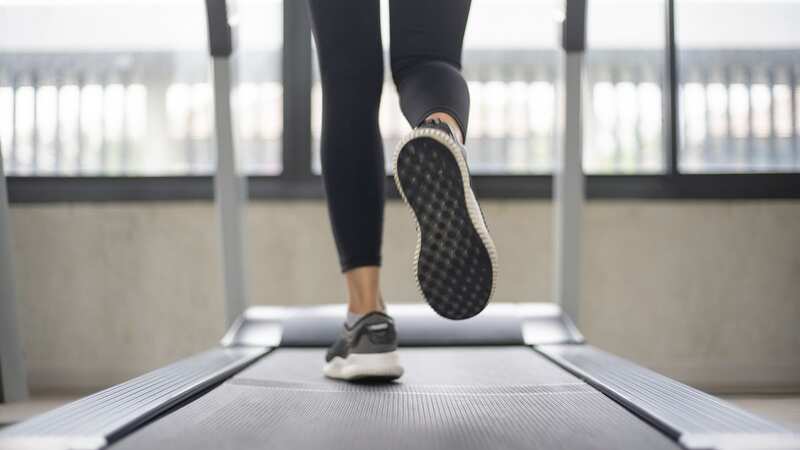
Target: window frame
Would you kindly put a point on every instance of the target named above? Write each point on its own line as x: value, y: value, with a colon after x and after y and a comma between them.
x: 297, y: 181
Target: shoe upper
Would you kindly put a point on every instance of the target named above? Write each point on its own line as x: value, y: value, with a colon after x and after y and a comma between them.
x: 373, y: 333
x: 437, y: 124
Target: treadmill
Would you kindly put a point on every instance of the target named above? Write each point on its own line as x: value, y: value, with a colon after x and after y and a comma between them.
x: 518, y: 376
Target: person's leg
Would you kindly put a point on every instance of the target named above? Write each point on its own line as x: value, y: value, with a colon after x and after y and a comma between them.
x: 347, y: 34
x: 455, y: 261
x: 427, y: 39
x: 350, y: 57
x: 363, y: 287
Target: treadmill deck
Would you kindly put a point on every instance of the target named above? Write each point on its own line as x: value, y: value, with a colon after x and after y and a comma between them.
x: 467, y: 398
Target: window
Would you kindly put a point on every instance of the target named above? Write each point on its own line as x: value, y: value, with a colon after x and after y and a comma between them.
x: 111, y: 99
x: 624, y: 78
x: 509, y: 61
x: 91, y: 87
x: 739, y: 65
x: 258, y: 95
x: 511, y: 65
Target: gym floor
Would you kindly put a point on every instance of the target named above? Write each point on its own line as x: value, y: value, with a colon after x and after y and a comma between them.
x: 783, y: 409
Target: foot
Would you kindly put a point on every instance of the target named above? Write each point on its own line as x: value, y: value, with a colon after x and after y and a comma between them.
x: 455, y: 262
x: 367, y: 350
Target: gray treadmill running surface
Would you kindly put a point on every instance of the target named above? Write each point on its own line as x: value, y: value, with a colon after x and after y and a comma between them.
x: 465, y: 398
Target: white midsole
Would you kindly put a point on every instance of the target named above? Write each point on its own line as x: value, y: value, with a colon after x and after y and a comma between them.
x: 475, y: 215
x: 362, y: 365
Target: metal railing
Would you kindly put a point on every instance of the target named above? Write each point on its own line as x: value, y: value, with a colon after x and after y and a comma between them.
x: 150, y: 113
x: 131, y: 113
x: 740, y: 110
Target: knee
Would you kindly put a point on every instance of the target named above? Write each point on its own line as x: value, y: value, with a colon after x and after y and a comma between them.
x: 363, y: 78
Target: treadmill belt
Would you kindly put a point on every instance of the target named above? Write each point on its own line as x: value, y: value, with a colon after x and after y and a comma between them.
x: 449, y: 398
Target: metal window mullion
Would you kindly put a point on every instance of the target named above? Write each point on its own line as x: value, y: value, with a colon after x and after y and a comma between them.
x: 615, y: 80
x: 193, y: 163
x: 103, y: 81
x: 57, y: 146
x: 125, y: 126
x: 590, y: 79
x: 671, y: 102
x: 707, y: 141
x: 79, y: 124
x: 726, y: 155
x: 750, y: 151
x: 12, y: 155
x: 296, y: 72
x: 638, y: 78
x: 35, y: 133
x: 795, y: 141
x: 773, y: 134
x: 552, y: 77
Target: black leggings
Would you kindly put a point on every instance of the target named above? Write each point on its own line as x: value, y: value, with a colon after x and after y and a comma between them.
x: 426, y: 41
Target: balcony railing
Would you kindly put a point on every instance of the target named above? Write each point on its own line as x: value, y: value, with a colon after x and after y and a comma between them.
x: 150, y: 113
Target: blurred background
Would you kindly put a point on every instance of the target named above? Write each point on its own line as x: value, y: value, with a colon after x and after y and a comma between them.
x: 692, y: 145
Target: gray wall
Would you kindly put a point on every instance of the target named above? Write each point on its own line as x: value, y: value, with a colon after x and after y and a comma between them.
x: 707, y: 292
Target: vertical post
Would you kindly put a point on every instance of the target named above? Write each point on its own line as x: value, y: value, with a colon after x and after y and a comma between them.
x: 296, y: 72
x: 795, y: 142
x: 230, y: 187
x: 671, y: 92
x: 568, y: 179
x: 34, y: 164
x: 13, y: 380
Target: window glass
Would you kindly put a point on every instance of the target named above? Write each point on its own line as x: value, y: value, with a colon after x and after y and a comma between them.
x: 509, y: 61
x: 623, y: 87
x: 258, y: 95
x: 121, y: 87
x: 739, y: 63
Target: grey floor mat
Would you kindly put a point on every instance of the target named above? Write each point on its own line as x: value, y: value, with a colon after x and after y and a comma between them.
x: 459, y: 398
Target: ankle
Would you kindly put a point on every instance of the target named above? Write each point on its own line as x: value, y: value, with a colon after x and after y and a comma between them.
x: 358, y: 311
x: 451, y: 123
x: 362, y: 307
x: 364, y: 292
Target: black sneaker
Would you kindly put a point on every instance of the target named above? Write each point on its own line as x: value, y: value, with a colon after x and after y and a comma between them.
x: 455, y: 262
x: 367, y: 350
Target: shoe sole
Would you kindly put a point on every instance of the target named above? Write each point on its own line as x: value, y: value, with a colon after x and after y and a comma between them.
x: 455, y: 261
x: 360, y: 366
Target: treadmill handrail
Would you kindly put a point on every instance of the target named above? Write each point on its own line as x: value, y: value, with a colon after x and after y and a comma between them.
x: 13, y: 377
x: 230, y: 184
x: 568, y: 177
x: 573, y: 28
x: 220, y: 36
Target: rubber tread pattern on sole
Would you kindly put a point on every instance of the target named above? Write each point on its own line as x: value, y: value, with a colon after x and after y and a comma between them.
x: 453, y: 267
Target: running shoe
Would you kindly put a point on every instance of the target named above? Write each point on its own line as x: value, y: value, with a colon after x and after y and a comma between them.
x: 455, y: 261
x: 367, y: 350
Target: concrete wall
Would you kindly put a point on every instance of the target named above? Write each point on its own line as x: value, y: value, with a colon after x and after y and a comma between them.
x: 707, y: 292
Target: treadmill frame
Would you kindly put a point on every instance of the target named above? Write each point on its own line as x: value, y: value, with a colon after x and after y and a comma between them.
x: 13, y: 378
x: 694, y: 419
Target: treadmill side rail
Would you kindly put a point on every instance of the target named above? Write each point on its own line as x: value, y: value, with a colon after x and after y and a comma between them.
x: 695, y: 419
x: 92, y: 422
